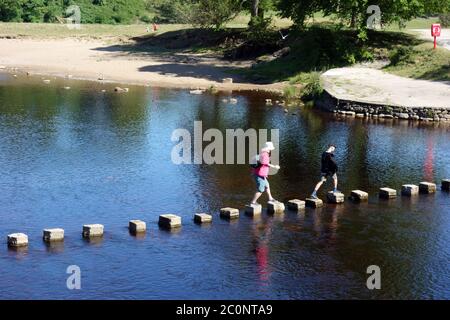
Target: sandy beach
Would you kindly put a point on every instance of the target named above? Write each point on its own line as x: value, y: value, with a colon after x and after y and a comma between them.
x: 95, y: 60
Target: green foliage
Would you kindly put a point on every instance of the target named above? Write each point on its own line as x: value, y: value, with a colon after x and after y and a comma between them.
x: 401, y: 55
x: 312, y: 88
x: 291, y: 92
x: 444, y: 19
x: 259, y: 29
x: 171, y: 11
x: 92, y: 11
x: 421, y: 62
x: 10, y: 10
x: 214, y: 13
x: 354, y: 12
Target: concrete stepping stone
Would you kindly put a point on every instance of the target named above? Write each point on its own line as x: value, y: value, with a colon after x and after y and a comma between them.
x: 137, y: 226
x: 169, y: 221
x: 56, y: 234
x: 296, y: 205
x: 410, y: 190
x: 16, y: 240
x: 202, y: 218
x: 358, y: 195
x: 275, y: 207
x: 445, y: 185
x: 253, y: 210
x: 313, y: 203
x: 335, y: 197
x: 229, y: 213
x: 388, y: 193
x: 93, y: 230
x: 427, y: 187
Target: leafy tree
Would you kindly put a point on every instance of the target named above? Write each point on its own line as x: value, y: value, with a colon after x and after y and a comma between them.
x: 354, y: 12
x: 10, y: 10
x: 214, y: 13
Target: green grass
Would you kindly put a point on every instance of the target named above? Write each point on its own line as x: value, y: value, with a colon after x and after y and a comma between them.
x: 421, y: 62
x: 107, y: 31
x: 95, y: 31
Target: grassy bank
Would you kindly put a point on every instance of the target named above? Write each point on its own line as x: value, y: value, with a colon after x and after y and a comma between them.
x: 321, y: 46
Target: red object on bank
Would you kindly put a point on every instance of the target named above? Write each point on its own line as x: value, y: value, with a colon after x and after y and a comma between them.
x: 435, y: 32
x: 155, y: 27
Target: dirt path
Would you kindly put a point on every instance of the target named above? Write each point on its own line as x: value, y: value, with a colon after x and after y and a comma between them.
x: 91, y: 60
x: 377, y: 87
x: 443, y: 41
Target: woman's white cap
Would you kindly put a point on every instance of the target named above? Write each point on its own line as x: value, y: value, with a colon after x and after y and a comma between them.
x: 269, y: 146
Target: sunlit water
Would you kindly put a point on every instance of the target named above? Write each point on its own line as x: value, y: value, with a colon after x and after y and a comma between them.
x: 72, y: 157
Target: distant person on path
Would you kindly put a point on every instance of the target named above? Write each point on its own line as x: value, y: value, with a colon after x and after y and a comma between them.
x: 328, y: 169
x: 260, y: 172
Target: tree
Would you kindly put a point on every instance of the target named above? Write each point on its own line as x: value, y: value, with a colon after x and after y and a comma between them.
x: 10, y: 10
x: 214, y: 13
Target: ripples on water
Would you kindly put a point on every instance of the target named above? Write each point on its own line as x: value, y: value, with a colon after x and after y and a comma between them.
x: 71, y: 157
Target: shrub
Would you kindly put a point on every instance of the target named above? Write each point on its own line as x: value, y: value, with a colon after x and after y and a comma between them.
x: 401, y: 55
x: 313, y: 88
x: 444, y: 19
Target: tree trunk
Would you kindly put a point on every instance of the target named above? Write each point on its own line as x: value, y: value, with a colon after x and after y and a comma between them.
x: 354, y: 19
x: 255, y: 8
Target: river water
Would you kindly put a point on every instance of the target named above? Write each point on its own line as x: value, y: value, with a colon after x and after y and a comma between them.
x: 78, y: 156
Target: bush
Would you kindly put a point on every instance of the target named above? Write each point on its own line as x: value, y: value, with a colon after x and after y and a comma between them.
x: 444, y: 19
x: 401, y: 55
x: 214, y: 13
x: 291, y: 92
x: 313, y: 88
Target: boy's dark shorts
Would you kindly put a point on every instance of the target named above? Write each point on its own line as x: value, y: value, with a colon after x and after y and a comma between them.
x: 325, y: 175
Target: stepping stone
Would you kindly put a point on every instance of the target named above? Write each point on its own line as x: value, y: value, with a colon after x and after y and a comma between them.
x: 229, y: 213
x: 275, y: 207
x: 410, y: 190
x: 169, y: 221
x: 253, y: 209
x: 92, y: 230
x: 296, y: 205
x: 388, y: 193
x: 313, y: 203
x: 202, y: 218
x: 17, y: 240
x: 56, y: 234
x: 335, y: 197
x: 427, y: 187
x: 358, y: 195
x: 445, y: 185
x: 137, y: 226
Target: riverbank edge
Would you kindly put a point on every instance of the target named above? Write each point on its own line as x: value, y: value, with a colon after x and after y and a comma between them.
x: 273, y: 88
x: 357, y: 109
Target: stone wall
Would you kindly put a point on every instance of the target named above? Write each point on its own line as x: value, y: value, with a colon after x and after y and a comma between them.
x: 366, y: 110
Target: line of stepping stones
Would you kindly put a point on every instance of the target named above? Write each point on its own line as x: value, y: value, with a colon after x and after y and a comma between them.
x: 171, y: 221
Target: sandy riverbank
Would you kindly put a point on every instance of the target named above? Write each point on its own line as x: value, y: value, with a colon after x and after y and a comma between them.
x: 94, y: 60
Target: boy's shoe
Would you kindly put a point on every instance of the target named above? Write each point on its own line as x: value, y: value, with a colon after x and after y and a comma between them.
x: 336, y: 191
x: 313, y: 196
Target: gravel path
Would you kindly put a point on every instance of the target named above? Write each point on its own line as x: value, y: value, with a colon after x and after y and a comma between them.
x: 377, y: 87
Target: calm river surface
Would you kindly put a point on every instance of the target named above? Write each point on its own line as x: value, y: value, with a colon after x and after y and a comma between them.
x: 72, y: 157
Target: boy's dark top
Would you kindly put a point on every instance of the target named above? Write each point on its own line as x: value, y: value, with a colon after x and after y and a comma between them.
x: 329, y: 166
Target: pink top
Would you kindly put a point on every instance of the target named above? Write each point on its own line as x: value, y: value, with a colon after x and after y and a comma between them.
x: 263, y: 170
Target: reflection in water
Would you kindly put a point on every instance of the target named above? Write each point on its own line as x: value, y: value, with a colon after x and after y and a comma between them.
x: 71, y: 157
x: 262, y: 233
x: 429, y: 165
